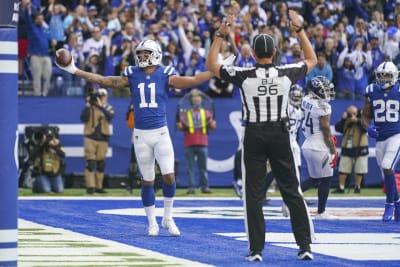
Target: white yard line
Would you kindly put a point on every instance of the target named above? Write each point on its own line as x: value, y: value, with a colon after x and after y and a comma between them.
x: 40, y: 245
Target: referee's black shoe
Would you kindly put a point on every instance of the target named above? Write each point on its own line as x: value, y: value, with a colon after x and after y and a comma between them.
x: 254, y: 256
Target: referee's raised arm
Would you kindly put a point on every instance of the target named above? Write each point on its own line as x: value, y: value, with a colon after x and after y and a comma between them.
x: 296, y: 23
x: 212, y: 58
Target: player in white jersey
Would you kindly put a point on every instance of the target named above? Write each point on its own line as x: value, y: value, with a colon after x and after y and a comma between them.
x: 382, y: 105
x: 295, y: 117
x: 318, y: 148
x: 149, y: 84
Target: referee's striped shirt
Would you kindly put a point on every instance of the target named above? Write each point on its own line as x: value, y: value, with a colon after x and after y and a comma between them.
x: 264, y: 89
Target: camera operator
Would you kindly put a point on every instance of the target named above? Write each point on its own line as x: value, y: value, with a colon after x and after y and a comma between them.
x: 97, y: 116
x: 48, y: 158
x: 354, y: 154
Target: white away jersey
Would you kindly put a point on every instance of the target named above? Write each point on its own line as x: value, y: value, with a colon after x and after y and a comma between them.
x: 295, y: 118
x: 314, y: 109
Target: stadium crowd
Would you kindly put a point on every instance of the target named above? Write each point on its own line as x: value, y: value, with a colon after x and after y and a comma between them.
x: 351, y: 38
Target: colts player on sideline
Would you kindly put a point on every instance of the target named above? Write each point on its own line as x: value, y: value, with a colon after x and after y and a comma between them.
x: 149, y: 83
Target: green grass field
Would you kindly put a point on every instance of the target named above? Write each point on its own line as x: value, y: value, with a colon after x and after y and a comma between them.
x: 181, y: 192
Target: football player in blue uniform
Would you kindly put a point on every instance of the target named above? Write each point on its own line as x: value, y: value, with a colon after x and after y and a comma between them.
x: 149, y: 83
x: 382, y: 105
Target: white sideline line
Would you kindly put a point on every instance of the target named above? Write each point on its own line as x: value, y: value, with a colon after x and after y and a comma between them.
x: 38, y: 249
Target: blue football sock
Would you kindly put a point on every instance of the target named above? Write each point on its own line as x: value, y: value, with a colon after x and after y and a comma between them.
x: 391, y: 189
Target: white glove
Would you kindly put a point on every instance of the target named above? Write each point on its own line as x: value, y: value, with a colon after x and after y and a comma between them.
x: 227, y: 61
x: 71, y: 68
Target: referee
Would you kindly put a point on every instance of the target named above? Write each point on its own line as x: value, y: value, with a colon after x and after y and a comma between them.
x: 264, y: 90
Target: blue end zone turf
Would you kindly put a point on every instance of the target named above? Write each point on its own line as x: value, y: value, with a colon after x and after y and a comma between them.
x: 213, y: 230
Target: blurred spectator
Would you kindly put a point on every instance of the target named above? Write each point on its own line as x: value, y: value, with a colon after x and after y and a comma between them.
x: 92, y: 16
x: 391, y: 47
x: 188, y: 41
x: 113, y: 23
x: 95, y: 44
x: 362, y: 63
x: 331, y: 55
x: 321, y: 69
x: 220, y: 88
x: 318, y: 38
x: 73, y: 24
x: 245, y: 58
x: 345, y: 81
x: 93, y: 64
x: 75, y: 21
x: 376, y: 51
x: 123, y: 56
x: 176, y: 56
x: 376, y: 26
x: 128, y: 32
x: 38, y: 49
x: 72, y: 83
x: 360, y: 34
x: 55, y: 15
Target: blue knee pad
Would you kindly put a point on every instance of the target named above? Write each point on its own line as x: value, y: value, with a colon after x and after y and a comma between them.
x: 148, y: 195
x: 169, y: 190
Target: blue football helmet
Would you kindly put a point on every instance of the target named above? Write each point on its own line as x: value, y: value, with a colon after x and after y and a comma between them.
x: 321, y: 87
x: 296, y: 95
x: 386, y: 75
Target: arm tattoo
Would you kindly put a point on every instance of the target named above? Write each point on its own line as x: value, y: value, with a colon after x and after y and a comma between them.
x: 104, y: 81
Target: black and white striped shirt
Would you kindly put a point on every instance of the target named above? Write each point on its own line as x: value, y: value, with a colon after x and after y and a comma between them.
x: 264, y: 89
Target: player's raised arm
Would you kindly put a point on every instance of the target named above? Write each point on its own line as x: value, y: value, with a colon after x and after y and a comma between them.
x: 103, y: 81
x: 185, y: 82
x: 212, y: 63
x: 296, y: 23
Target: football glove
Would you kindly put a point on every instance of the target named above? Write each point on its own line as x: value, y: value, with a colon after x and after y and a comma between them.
x: 334, y: 139
x: 334, y: 160
x: 373, y: 131
x: 71, y: 68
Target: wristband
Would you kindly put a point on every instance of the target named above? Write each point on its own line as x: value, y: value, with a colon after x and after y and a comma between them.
x: 219, y: 34
x: 299, y: 29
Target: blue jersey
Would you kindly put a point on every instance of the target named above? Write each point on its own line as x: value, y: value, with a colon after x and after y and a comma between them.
x: 149, y: 95
x: 385, y: 109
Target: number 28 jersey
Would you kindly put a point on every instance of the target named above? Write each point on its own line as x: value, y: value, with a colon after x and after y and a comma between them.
x: 385, y: 109
x: 149, y: 94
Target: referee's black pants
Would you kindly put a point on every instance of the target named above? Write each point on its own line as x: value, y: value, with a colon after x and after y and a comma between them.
x: 263, y: 141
